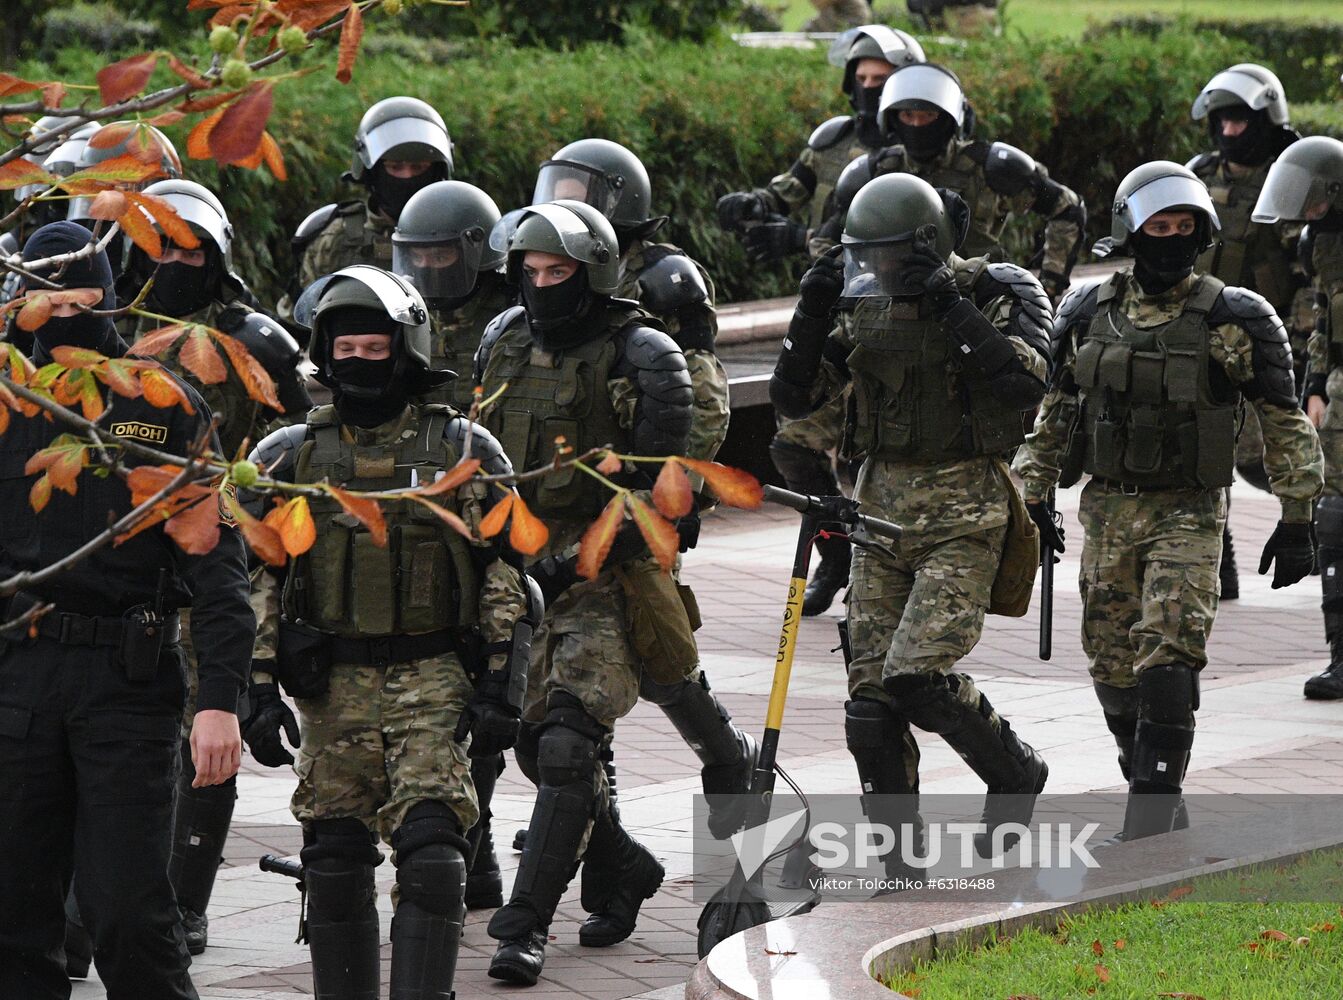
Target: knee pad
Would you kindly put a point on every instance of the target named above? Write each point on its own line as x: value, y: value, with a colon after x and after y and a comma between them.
x: 928, y: 702
x: 427, y: 822
x: 869, y: 724
x: 1168, y: 694
x: 431, y: 859
x: 526, y: 750
x: 1329, y: 522
x: 568, y: 750
x: 882, y: 747
x: 345, y: 841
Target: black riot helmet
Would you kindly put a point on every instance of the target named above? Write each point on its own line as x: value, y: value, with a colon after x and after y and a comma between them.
x: 278, y: 352
x: 605, y: 175
x: 400, y: 128
x: 924, y: 87
x: 441, y: 242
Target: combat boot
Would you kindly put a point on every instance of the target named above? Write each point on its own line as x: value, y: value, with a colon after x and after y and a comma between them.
x: 1328, y: 685
x: 619, y: 873
x: 201, y: 818
x: 887, y: 759
x: 829, y: 578
x: 484, y: 881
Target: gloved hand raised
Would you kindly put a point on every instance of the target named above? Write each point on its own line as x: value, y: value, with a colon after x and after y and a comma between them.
x: 924, y: 266
x: 823, y: 284
x: 738, y: 207
x: 774, y: 240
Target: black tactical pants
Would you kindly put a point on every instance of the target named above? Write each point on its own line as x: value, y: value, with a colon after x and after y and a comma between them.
x: 87, y: 765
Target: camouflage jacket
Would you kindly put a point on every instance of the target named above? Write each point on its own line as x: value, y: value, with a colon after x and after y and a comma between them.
x: 456, y: 335
x: 1327, y: 265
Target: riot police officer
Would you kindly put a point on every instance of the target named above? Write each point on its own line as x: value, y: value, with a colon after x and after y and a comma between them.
x: 944, y: 356
x: 580, y: 363
x: 92, y: 704
x: 400, y: 147
x: 1247, y: 116
x: 1306, y: 184
x: 379, y: 644
x: 1154, y: 363
x: 677, y: 291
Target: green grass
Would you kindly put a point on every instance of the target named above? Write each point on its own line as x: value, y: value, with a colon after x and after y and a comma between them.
x: 1070, y: 17
x: 1190, y: 949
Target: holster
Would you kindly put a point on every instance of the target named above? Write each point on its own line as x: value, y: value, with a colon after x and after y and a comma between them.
x: 302, y: 660
x: 142, y: 638
x: 663, y: 617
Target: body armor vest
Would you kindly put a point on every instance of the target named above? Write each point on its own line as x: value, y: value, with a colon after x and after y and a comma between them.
x: 1247, y: 254
x: 553, y: 394
x: 828, y: 164
x: 456, y: 336
x: 1148, y: 414
x: 966, y: 177
x: 1327, y: 263
x: 425, y: 578
x: 912, y: 399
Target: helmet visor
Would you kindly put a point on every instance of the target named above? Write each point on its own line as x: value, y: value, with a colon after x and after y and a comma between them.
x: 396, y: 297
x: 877, y: 269
x: 921, y: 86
x: 503, y: 231
x: 1241, y: 87
x: 1166, y: 194
x: 406, y: 139
x: 203, y: 218
x: 897, y: 47
x: 1291, y: 192
x: 564, y: 179
x: 575, y: 239
x: 442, y: 266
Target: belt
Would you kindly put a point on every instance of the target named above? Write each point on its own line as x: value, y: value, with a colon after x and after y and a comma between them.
x: 71, y: 629
x: 1133, y: 489
x: 388, y: 649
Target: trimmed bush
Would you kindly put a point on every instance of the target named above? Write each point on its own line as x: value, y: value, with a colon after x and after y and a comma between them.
x: 101, y: 27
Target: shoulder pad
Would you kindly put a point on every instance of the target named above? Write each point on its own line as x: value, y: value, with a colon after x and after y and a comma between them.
x: 232, y: 315
x: 851, y: 180
x: 978, y: 150
x: 1032, y: 317
x: 672, y: 283
x: 315, y: 222
x: 1076, y: 309
x: 1204, y: 163
x: 1274, y: 378
x: 650, y: 349
x: 494, y: 329
x: 1007, y: 169
x: 483, y: 445
x: 831, y: 133
x: 278, y: 450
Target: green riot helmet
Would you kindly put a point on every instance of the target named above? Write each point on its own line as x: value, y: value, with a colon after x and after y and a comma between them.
x: 873, y: 41
x: 400, y: 128
x: 441, y: 241
x: 569, y: 229
x: 923, y: 87
x: 1161, y: 186
x: 271, y: 344
x: 600, y: 173
x: 1304, y: 183
x: 887, y: 215
x: 1246, y: 111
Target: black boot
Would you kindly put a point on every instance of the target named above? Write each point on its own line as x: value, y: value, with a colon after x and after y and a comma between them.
x: 1328, y: 685
x: 619, y: 873
x: 1226, y: 571
x: 727, y: 753
x: 427, y: 926
x: 807, y: 471
x: 829, y: 578
x: 78, y: 944
x: 484, y: 881
x: 1120, y: 706
x: 1160, y: 757
x: 201, y: 818
x: 887, y: 757
x: 342, y: 917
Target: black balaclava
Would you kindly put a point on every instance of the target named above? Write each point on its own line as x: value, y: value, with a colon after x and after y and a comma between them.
x: 1162, y: 262
x: 366, y: 393
x: 181, y: 289
x: 1253, y: 146
x: 390, y: 194
x: 927, y: 142
x: 866, y: 102
x: 85, y: 329
x: 555, y: 313
x: 1330, y: 222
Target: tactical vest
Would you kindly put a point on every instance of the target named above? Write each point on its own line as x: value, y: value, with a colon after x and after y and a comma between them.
x: 966, y: 177
x: 827, y: 165
x: 553, y: 394
x: 453, y: 343
x: 1149, y: 416
x: 423, y: 580
x: 912, y: 400
x: 1247, y: 254
x: 1327, y: 263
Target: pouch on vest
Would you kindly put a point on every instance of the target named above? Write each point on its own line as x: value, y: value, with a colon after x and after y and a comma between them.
x: 1142, y: 452
x: 1075, y: 453
x: 1015, y: 580
x: 1214, y: 429
x: 302, y: 660
x: 1107, y: 442
x: 662, y: 617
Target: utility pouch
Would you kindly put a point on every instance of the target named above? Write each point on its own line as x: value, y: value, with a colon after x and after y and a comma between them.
x: 303, y: 660
x: 1107, y: 444
x: 141, y: 643
x: 663, y: 617
x: 1143, y: 453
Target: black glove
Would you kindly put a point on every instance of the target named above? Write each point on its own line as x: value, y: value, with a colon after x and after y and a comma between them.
x: 739, y: 207
x: 1292, y: 547
x: 492, y: 722
x: 554, y: 576
x: 775, y: 240
x: 1051, y: 533
x: 687, y: 529
x: 924, y: 267
x: 261, y: 729
x: 823, y: 284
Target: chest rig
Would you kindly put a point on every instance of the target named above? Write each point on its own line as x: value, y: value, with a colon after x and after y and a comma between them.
x: 424, y: 580
x: 828, y: 164
x: 965, y: 177
x: 912, y: 399
x: 1149, y: 416
x: 1247, y: 254
x: 554, y: 394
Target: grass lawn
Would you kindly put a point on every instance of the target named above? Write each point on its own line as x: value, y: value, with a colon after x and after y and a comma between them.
x: 1070, y: 17
x: 1186, y: 949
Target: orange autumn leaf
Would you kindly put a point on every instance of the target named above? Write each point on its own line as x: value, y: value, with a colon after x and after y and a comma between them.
x: 238, y: 132
x: 365, y: 511
x: 166, y: 120
x: 19, y: 173
x: 451, y: 479
x: 610, y: 464
x: 659, y: 533
x: 1102, y: 973
x: 198, y: 139
x: 10, y: 84
x: 77, y: 357
x: 1097, y: 948
x: 121, y: 375
x: 157, y: 341
x: 146, y: 480
x: 261, y: 538
x: 36, y: 311
x: 671, y: 492
x: 126, y: 78
x: 253, y: 375
x: 53, y: 93
x: 61, y: 462
x: 493, y: 522
x: 272, y: 157
x: 162, y: 212
x: 135, y: 224
x: 200, y: 358
x: 1273, y: 935
x: 186, y: 73
x: 597, y: 540
x: 734, y: 487
x: 350, y: 34
x: 309, y: 14
x: 529, y: 533
x: 195, y: 528
x: 207, y: 102
x: 128, y: 168
x: 293, y: 522
x: 446, y: 516
x: 161, y: 390
x: 108, y: 205
x: 40, y: 494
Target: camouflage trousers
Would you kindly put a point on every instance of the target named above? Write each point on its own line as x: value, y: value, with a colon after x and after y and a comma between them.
x: 820, y: 430
x: 1331, y: 435
x: 1148, y: 578
x: 380, y: 741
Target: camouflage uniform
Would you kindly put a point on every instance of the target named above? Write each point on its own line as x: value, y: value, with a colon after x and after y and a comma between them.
x: 456, y: 335
x: 1324, y: 374
x: 967, y: 17
x: 837, y: 15
x: 1149, y: 563
x: 355, y: 234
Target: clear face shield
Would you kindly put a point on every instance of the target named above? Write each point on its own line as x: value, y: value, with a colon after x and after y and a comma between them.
x: 441, y: 266
x: 396, y: 295
x: 877, y: 270
x: 1229, y: 88
x: 1294, y: 193
x: 564, y: 179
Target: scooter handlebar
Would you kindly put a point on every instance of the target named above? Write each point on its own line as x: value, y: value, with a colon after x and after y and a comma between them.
x: 837, y: 508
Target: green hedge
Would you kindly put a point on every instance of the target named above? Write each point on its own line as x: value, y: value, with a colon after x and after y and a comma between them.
x: 712, y: 118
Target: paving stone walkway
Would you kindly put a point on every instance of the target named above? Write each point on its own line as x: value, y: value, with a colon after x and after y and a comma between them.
x: 1255, y: 733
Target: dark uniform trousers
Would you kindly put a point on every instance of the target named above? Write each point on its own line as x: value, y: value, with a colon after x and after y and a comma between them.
x: 88, y: 760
